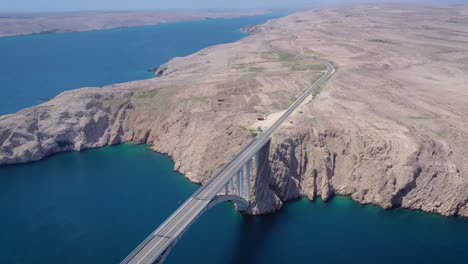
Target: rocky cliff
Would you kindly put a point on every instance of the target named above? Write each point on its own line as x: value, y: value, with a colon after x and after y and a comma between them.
x: 311, y: 163
x: 390, y: 128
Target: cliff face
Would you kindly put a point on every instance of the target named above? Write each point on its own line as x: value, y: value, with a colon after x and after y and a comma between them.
x: 73, y: 121
x: 200, y: 119
x: 310, y: 163
x: 390, y: 127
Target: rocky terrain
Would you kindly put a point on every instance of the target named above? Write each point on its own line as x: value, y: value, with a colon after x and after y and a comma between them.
x: 389, y: 128
x: 25, y: 24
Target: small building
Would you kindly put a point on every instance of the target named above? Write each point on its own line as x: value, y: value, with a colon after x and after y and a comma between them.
x: 261, y: 116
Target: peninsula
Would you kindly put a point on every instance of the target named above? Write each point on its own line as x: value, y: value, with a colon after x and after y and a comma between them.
x: 26, y: 24
x: 389, y: 128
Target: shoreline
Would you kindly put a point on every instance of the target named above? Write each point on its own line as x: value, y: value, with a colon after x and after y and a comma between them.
x: 47, y: 24
x: 134, y: 71
x: 329, y: 149
x: 303, y: 199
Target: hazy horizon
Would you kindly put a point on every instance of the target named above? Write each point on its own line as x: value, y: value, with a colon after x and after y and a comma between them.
x: 50, y: 6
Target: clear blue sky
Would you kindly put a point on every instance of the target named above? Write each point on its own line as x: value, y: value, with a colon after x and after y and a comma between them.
x: 78, y: 5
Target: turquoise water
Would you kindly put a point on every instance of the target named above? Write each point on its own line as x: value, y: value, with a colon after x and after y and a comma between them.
x: 339, y: 231
x: 88, y: 207
x: 96, y: 206
x: 37, y: 67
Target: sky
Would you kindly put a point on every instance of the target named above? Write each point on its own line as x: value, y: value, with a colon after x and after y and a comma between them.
x: 82, y: 5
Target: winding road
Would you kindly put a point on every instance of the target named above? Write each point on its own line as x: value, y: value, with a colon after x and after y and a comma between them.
x: 159, y: 243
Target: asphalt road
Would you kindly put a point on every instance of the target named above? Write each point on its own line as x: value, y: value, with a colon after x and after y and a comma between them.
x: 168, y: 233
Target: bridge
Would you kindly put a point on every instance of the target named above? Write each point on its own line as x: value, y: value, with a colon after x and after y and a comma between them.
x: 230, y: 183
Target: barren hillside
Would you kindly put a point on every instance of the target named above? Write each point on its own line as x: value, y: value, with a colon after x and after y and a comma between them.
x: 389, y: 128
x: 17, y: 24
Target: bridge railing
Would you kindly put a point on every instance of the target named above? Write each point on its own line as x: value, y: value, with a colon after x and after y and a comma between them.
x: 197, y: 192
x: 263, y: 138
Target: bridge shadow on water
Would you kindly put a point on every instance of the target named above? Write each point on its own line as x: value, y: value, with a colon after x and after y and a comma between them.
x: 254, y: 232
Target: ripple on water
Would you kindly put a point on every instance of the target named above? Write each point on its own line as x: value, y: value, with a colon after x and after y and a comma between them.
x: 96, y: 206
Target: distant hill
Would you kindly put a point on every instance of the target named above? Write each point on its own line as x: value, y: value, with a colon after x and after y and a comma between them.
x: 25, y: 24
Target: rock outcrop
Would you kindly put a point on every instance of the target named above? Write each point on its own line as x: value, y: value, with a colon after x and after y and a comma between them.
x: 390, y: 128
x: 311, y: 163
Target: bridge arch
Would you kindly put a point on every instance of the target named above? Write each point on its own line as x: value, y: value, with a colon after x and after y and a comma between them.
x: 229, y: 183
x: 241, y: 203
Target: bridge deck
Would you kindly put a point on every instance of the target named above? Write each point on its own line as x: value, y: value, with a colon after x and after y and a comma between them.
x: 160, y: 240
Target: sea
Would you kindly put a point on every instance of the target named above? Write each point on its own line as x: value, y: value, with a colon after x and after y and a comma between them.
x: 96, y: 206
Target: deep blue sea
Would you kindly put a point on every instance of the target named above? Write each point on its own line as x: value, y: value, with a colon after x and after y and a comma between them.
x: 96, y: 206
x: 35, y: 68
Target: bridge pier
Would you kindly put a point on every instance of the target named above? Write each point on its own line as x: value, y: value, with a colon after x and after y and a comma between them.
x: 230, y: 186
x: 247, y: 179
x: 257, y: 161
x: 158, y: 245
x: 240, y: 176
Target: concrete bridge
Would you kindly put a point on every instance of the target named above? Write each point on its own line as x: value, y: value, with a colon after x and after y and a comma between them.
x: 230, y: 183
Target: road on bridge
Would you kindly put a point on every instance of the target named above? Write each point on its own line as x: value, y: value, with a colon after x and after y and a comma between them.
x: 161, y: 240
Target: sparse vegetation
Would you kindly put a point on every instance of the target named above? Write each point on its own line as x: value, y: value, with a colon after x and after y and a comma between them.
x: 148, y: 94
x: 319, y: 90
x: 198, y: 99
x: 310, y: 67
x: 422, y: 117
x: 441, y: 133
x: 5, y: 117
x: 286, y: 57
x: 161, y: 98
x: 382, y: 41
x: 239, y: 66
x: 256, y: 69
x: 114, y: 101
x: 292, y: 62
x: 279, y: 56
x: 253, y: 132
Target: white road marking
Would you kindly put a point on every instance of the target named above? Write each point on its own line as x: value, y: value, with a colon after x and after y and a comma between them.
x: 231, y: 168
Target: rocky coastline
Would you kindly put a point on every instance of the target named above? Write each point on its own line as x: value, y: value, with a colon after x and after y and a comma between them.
x: 390, y: 127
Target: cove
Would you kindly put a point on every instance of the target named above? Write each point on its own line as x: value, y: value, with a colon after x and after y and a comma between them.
x: 98, y: 205
x: 86, y: 207
x: 36, y: 68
